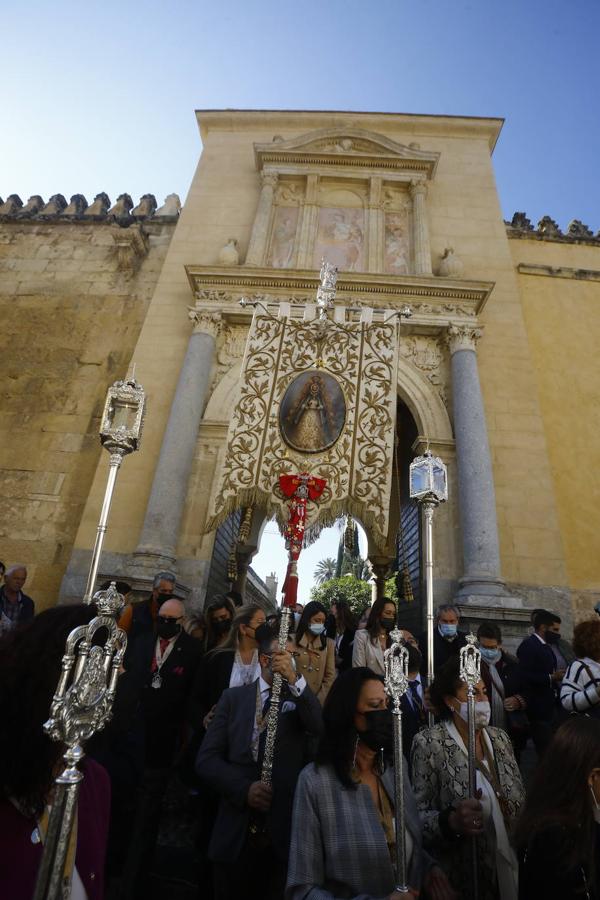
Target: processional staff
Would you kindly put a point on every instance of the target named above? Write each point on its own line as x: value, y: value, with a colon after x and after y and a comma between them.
x: 396, y: 685
x: 82, y: 703
x: 299, y: 489
x: 470, y: 673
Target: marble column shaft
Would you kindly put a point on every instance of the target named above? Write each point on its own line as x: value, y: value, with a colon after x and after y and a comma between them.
x: 260, y: 229
x: 375, y: 225
x: 477, y: 499
x: 160, y: 531
x: 309, y: 213
x: 422, y: 250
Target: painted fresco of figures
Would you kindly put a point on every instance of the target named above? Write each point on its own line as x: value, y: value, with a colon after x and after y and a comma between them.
x: 340, y: 238
x: 396, y: 244
x: 313, y: 411
x: 282, y: 241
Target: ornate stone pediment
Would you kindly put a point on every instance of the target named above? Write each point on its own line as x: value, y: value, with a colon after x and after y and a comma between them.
x: 344, y: 147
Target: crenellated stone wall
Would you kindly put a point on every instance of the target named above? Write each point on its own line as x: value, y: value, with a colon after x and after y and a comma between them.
x: 75, y: 284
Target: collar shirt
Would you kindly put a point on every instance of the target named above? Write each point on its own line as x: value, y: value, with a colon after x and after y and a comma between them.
x: 12, y: 611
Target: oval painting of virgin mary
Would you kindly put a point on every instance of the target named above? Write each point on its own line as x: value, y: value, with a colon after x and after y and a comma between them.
x: 312, y: 412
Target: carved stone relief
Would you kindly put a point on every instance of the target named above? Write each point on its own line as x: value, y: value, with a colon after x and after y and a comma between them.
x: 426, y: 354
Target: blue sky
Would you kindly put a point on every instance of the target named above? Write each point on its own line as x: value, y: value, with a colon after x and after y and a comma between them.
x: 100, y: 95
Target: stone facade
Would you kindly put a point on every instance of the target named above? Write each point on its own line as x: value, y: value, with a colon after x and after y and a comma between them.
x: 74, y: 291
x: 496, y: 364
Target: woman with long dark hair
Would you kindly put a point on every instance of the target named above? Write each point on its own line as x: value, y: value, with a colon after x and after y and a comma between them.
x: 218, y: 616
x: 558, y: 833
x: 30, y: 667
x: 345, y: 629
x: 314, y: 652
x: 371, y: 642
x: 343, y: 839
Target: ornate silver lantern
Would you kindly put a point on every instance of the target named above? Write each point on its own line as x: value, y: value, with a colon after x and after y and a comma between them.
x: 428, y: 481
x: 120, y: 434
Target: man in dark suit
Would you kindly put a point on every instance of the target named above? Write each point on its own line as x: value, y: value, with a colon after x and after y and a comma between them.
x: 414, y: 715
x: 540, y: 678
x: 163, y: 662
x: 250, y: 840
x: 447, y: 639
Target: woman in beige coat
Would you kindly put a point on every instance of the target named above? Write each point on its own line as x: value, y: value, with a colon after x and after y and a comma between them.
x: 314, y: 651
x: 371, y: 642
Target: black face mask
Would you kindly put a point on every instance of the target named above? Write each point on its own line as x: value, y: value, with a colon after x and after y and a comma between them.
x: 552, y: 637
x: 379, y: 734
x: 167, y: 628
x: 388, y: 624
x: 222, y: 626
x: 263, y: 633
x: 162, y: 598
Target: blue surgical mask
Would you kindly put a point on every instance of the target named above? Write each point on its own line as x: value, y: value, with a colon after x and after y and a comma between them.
x: 491, y: 656
x: 447, y: 630
x: 316, y: 628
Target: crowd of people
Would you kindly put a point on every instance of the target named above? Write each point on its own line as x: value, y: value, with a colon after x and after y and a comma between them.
x: 192, y: 714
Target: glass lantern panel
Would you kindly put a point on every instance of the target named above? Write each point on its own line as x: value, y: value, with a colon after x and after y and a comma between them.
x: 439, y: 481
x: 124, y: 415
x: 419, y: 480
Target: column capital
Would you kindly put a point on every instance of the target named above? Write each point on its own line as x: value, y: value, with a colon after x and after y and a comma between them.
x: 205, y: 321
x: 418, y: 187
x: 462, y: 337
x: 268, y: 178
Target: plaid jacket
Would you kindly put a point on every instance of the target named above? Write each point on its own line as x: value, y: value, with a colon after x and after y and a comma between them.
x: 338, y: 847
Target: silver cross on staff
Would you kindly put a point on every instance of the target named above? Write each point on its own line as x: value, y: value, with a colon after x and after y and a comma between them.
x: 326, y: 289
x: 470, y: 673
x: 395, y: 661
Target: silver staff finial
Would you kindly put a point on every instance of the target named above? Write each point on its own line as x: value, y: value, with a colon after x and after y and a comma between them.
x: 326, y: 289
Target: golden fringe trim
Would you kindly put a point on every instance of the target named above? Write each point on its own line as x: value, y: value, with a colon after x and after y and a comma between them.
x: 326, y: 517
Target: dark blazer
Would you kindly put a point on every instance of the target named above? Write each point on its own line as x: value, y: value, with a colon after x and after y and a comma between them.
x: 164, y: 709
x: 443, y: 650
x: 212, y: 678
x: 344, y: 651
x: 537, y: 663
x: 26, y: 606
x: 225, y: 763
x: 543, y: 876
x: 20, y: 858
x: 412, y: 722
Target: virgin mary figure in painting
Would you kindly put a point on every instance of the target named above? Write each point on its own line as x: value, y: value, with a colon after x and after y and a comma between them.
x: 312, y: 412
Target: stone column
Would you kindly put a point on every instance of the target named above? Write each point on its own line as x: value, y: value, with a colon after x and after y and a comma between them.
x: 309, y: 213
x: 477, y: 499
x: 260, y: 230
x: 158, y: 540
x: 375, y: 225
x: 422, y: 252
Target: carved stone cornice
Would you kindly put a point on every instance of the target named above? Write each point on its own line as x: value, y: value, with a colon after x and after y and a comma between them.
x: 344, y: 148
x: 427, y: 295
x: 205, y: 321
x: 462, y: 337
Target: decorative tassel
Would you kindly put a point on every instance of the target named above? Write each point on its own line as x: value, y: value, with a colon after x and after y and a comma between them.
x: 232, y: 569
x: 407, y: 589
x: 244, y: 532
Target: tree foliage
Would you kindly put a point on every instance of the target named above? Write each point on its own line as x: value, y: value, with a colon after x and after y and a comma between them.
x: 325, y: 570
x: 355, y: 592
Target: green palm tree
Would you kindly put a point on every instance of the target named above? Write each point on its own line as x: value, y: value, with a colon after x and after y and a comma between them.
x: 325, y: 570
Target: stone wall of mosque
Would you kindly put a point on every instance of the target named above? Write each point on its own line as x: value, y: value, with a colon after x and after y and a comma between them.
x: 559, y: 282
x: 75, y: 284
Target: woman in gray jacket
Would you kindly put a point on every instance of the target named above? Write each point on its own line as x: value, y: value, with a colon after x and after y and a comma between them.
x: 343, y: 824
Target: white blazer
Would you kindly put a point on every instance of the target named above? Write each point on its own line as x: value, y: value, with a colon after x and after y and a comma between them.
x: 366, y: 653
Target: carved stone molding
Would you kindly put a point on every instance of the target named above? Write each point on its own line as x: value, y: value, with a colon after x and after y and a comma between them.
x: 425, y: 353
x: 462, y: 337
x: 205, y: 321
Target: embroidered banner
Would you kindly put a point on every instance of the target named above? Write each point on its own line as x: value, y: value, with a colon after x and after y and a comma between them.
x: 318, y: 397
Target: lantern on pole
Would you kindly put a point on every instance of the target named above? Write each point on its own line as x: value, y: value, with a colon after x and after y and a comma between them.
x: 120, y: 434
x: 428, y: 485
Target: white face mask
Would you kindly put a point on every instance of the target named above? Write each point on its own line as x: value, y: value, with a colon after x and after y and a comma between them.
x: 596, y: 809
x: 316, y: 628
x: 482, y: 713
